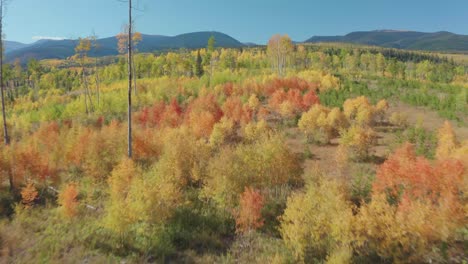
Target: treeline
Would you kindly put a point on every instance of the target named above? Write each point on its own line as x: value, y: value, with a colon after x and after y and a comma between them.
x: 352, y: 62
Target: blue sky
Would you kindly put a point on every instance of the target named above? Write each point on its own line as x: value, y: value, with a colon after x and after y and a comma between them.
x: 246, y: 20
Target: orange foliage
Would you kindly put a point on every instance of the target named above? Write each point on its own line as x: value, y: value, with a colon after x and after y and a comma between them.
x: 404, y: 174
x: 68, y: 200
x: 202, y: 114
x: 30, y: 163
x: 249, y: 216
x: 29, y: 194
x: 287, y: 83
x: 234, y: 109
x: 160, y: 114
x: 146, y: 144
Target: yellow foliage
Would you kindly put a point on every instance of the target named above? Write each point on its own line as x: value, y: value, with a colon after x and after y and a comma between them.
x: 359, y: 110
x: 358, y: 140
x: 342, y: 158
x: 153, y: 197
x: 317, y: 223
x: 404, y: 234
x: 265, y: 163
x: 253, y: 102
x: 321, y: 124
x: 447, y: 141
x: 256, y: 131
x: 222, y: 131
x: 287, y: 109
x: 118, y: 212
x: 184, y: 158
x: 399, y: 119
x: 327, y: 81
x: 381, y: 109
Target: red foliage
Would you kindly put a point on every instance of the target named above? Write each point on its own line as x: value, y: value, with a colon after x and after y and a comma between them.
x: 99, y: 122
x: 172, y: 115
x: 161, y: 114
x: 310, y: 99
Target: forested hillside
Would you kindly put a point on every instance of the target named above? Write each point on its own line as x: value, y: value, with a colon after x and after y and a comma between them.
x: 410, y: 40
x: 307, y: 153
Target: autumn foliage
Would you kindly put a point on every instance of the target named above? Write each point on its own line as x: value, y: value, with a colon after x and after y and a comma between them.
x: 420, y: 204
x: 68, y: 199
x: 29, y: 194
x: 249, y: 215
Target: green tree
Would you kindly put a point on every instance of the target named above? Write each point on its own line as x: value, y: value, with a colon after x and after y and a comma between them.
x: 199, y: 66
x: 211, y: 44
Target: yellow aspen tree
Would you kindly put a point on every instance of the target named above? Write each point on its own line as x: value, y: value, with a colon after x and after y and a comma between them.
x: 447, y: 141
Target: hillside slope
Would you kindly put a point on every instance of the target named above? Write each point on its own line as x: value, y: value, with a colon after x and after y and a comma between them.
x: 61, y: 49
x: 438, y: 41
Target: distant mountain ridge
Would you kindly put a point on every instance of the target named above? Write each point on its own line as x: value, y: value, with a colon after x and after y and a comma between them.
x: 13, y: 45
x: 402, y: 39
x: 61, y: 49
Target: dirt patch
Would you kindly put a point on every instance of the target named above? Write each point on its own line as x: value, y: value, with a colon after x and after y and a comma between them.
x: 429, y: 119
x: 323, y: 156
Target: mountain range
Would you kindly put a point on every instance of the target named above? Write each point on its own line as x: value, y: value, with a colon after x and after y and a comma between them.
x: 61, y: 49
x: 411, y: 40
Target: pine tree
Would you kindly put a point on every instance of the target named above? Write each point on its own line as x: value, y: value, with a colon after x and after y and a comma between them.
x: 199, y: 66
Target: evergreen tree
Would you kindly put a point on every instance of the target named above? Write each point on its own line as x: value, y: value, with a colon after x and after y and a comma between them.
x: 199, y: 66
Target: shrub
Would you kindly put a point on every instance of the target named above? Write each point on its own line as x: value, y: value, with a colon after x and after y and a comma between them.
x: 316, y: 224
x: 447, y: 141
x: 68, y: 200
x: 321, y: 124
x: 265, y: 163
x: 29, y: 195
x: 222, y: 132
x: 358, y: 140
x: 359, y: 110
x: 249, y: 215
x: 399, y: 119
x: 184, y: 157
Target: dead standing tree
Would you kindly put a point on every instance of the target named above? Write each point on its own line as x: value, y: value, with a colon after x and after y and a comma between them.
x: 6, y: 137
x: 5, y: 128
x: 122, y: 46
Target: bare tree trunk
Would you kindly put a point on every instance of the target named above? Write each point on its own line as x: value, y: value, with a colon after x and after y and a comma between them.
x: 134, y: 78
x: 97, y: 83
x: 6, y: 138
x: 130, y: 78
x: 85, y: 90
x: 5, y: 128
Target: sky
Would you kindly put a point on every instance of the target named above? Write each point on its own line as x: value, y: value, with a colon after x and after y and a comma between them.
x: 246, y: 20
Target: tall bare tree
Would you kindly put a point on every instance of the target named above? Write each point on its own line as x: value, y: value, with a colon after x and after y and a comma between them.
x: 2, y: 87
x: 130, y: 76
x: 6, y: 138
x: 122, y: 45
x: 95, y: 45
x: 81, y: 50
